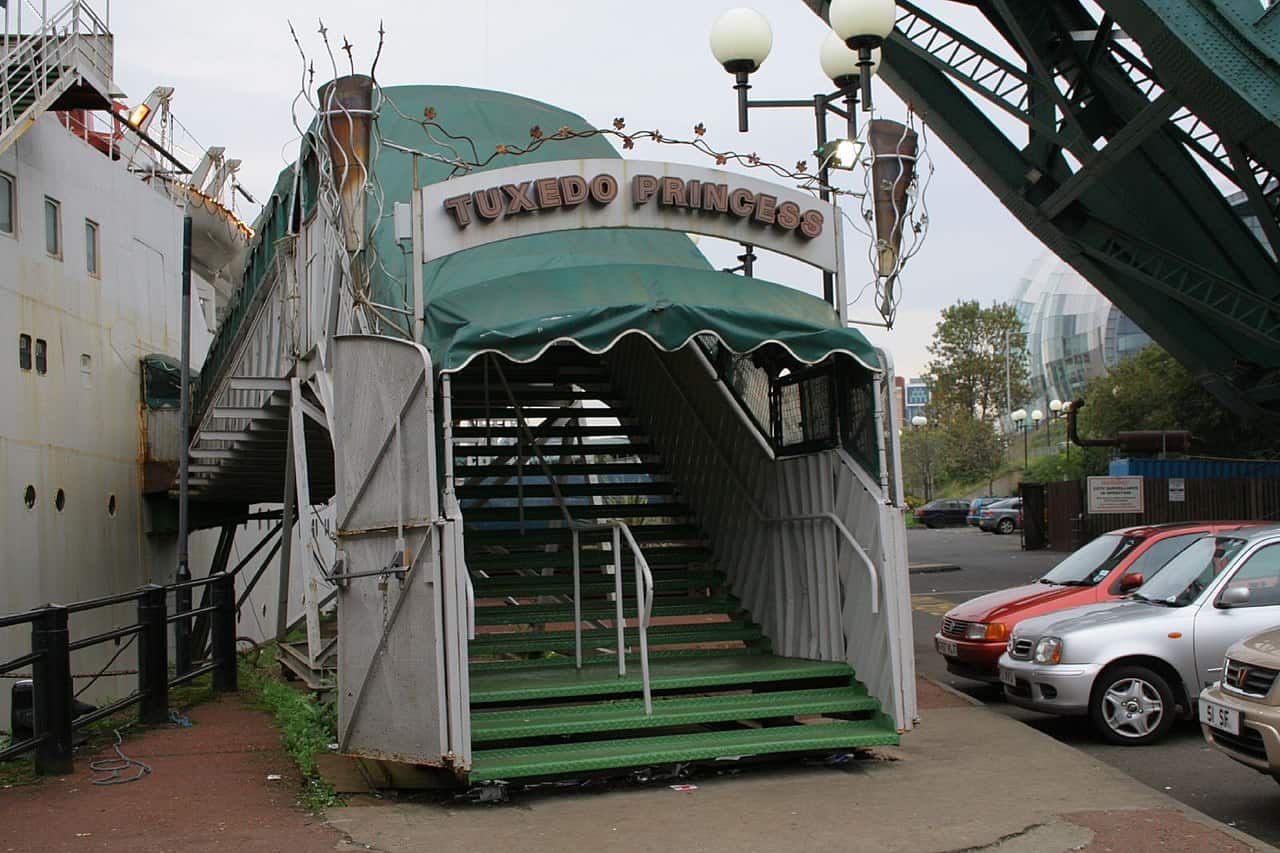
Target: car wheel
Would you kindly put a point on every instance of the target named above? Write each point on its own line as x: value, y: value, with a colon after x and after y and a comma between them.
x: 1132, y: 706
x: 1005, y: 526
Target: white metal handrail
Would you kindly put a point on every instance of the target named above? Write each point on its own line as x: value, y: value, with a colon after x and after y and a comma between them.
x: 873, y: 573
x: 44, y: 57
x: 620, y: 530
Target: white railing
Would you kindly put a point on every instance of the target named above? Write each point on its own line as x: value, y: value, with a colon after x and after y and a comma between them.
x: 41, y: 64
x: 620, y: 531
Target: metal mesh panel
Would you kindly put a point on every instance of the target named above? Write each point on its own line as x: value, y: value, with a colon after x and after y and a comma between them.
x: 805, y: 411
x: 859, y: 437
x: 750, y: 385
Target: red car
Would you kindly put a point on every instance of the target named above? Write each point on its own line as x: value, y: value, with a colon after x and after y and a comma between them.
x: 974, y: 634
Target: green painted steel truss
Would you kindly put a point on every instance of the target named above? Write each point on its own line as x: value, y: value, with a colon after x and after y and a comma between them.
x: 1146, y: 136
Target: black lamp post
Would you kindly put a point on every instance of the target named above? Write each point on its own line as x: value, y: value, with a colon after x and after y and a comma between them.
x: 741, y: 40
x: 1019, y: 417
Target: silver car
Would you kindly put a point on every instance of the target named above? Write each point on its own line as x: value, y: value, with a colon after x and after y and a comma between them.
x: 1134, y: 665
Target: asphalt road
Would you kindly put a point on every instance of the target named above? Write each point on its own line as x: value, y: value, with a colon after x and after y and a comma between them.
x: 1182, y: 766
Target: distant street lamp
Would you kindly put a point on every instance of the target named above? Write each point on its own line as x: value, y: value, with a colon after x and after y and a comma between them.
x: 920, y: 422
x: 1019, y: 417
x: 1055, y: 409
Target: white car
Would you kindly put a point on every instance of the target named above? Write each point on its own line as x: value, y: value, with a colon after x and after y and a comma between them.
x: 1135, y: 665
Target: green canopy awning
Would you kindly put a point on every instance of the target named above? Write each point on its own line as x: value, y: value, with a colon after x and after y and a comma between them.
x: 520, y: 315
x: 590, y: 287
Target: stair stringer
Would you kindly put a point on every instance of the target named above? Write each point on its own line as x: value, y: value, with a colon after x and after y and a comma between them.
x: 806, y: 587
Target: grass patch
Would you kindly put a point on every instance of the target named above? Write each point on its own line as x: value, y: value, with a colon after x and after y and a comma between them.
x: 306, y: 725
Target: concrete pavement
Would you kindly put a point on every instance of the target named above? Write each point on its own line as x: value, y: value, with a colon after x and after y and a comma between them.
x: 967, y: 778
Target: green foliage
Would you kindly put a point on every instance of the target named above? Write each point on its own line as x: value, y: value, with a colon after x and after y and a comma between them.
x: 1151, y: 390
x: 306, y: 727
x: 972, y: 347
x: 1082, y: 463
x: 971, y: 449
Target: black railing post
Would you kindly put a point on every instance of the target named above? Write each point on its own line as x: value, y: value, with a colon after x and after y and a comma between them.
x: 51, y: 702
x: 153, y: 655
x: 223, y: 633
x: 182, y: 629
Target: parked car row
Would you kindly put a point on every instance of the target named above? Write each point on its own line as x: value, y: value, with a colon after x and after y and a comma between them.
x: 993, y: 514
x: 1138, y: 628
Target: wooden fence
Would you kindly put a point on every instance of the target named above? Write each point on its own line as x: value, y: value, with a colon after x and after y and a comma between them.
x: 1070, y: 525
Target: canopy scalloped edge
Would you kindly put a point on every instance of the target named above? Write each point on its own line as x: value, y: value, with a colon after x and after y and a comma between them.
x: 600, y: 351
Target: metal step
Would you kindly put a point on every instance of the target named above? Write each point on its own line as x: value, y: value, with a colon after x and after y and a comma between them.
x: 549, y: 451
x: 504, y: 411
x: 580, y: 512
x: 590, y: 558
x: 568, y: 490
x: 568, y: 431
x: 595, y: 584
x: 553, y: 660
x: 668, y: 712
x: 513, y: 642
x: 542, y: 761
x: 534, y: 681
x: 543, y: 614
x: 566, y: 469
x: 644, y: 533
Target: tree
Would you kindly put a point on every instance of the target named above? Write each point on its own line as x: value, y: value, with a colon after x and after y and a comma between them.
x: 922, y: 452
x: 972, y: 349
x: 972, y: 449
x: 1151, y: 390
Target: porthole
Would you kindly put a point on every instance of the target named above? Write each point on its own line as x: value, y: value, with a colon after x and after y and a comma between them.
x: 29, y: 496
x: 111, y: 506
x: 60, y: 499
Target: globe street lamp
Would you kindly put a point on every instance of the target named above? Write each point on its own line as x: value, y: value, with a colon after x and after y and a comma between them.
x: 1055, y: 409
x: 741, y: 40
x: 863, y: 25
x: 919, y: 422
x: 1019, y: 417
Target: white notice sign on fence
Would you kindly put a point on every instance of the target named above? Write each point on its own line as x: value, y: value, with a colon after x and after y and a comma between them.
x: 1177, y: 490
x: 1115, y: 495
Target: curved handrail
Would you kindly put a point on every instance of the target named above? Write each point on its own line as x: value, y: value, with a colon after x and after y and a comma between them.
x: 644, y: 576
x: 873, y: 575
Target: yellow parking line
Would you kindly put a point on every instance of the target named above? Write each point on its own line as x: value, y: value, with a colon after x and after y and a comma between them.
x: 931, y: 604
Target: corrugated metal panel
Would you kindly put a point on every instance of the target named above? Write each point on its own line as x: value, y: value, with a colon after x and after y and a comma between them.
x: 801, y: 581
x: 1194, y: 468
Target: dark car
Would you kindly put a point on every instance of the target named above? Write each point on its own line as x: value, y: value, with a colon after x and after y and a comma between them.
x: 978, y: 504
x: 1002, y: 516
x: 943, y: 512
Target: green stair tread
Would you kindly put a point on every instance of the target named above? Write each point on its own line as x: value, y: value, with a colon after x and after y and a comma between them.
x: 643, y: 533
x: 591, y: 558
x: 658, y: 635
x: 633, y: 658
x: 668, y: 712
x: 526, y: 762
x: 532, y: 681
x: 569, y: 490
x: 539, y: 614
x: 528, y: 586
x: 602, y: 469
x: 581, y: 512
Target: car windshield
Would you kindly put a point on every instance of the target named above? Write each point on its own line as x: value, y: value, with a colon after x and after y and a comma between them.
x: 1093, y: 562
x: 1187, y: 575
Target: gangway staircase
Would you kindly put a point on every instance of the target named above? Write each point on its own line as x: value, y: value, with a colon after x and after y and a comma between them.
x: 65, y: 62
x: 543, y: 446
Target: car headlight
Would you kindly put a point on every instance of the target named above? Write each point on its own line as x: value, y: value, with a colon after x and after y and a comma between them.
x: 994, y: 632
x: 1048, y: 650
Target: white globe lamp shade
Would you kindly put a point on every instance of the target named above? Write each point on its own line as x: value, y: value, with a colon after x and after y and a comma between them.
x: 919, y: 420
x: 862, y: 23
x: 741, y: 40
x: 1018, y: 415
x: 1037, y: 415
x: 1055, y: 405
x: 1066, y: 407
x: 840, y: 64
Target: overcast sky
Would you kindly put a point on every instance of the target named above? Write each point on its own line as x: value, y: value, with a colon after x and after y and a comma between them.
x: 237, y: 72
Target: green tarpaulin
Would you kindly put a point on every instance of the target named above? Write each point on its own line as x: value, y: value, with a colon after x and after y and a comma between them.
x: 590, y: 287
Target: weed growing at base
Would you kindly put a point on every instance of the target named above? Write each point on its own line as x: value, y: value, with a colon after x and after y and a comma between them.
x: 306, y: 726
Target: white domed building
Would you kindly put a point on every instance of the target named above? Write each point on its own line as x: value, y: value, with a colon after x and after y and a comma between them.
x: 1074, y: 333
